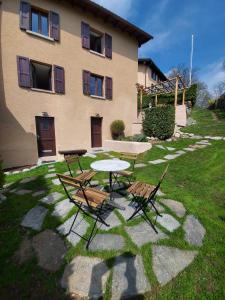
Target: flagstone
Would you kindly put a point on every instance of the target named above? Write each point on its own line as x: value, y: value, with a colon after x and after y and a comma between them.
x: 62, y: 208
x: 194, y: 231
x: 140, y: 165
x: 23, y: 192
x: 34, y: 218
x: 168, y: 222
x: 129, y: 278
x: 50, y: 250
x: 102, y: 242
x: 51, y: 198
x: 86, y: 276
x: 38, y: 193
x: 160, y: 193
x: 180, y: 152
x: 160, y: 147
x: 28, y: 179
x: 110, y: 218
x: 177, y: 207
x: 94, y: 182
x: 157, y: 161
x: 168, y: 262
x: 171, y: 156
x: 170, y: 148
x: 79, y: 227
x: 143, y: 233
x: 51, y: 175
x: 67, y: 173
x: 56, y: 181
x: 2, y: 198
x: 189, y: 149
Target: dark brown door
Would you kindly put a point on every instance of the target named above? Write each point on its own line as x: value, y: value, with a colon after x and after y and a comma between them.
x: 96, y: 132
x: 45, y: 136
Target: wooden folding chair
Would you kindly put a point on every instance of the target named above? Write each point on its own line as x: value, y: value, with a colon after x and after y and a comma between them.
x: 131, y: 157
x: 85, y: 176
x: 144, y: 194
x: 92, y: 202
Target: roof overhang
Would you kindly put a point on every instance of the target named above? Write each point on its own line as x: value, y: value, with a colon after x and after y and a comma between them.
x: 108, y: 16
x: 149, y: 62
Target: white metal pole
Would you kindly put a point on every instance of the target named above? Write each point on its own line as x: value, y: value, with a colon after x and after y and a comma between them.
x: 191, y: 58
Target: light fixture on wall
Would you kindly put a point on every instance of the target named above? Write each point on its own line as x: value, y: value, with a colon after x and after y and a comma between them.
x: 97, y: 115
x: 44, y: 114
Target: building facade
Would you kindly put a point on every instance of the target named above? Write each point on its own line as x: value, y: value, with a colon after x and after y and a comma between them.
x: 68, y: 69
x: 149, y: 73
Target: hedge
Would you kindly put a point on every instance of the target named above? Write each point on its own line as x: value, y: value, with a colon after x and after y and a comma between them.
x: 159, y: 122
x: 220, y: 104
x: 2, y: 176
x: 191, y: 95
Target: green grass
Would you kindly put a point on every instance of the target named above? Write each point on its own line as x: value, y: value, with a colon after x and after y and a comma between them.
x: 208, y: 122
x: 196, y: 179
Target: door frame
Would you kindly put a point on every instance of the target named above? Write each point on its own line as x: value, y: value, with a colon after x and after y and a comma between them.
x: 96, y: 117
x: 54, y: 144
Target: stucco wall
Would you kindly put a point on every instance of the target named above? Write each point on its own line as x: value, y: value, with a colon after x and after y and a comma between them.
x: 73, y: 110
x: 145, y: 80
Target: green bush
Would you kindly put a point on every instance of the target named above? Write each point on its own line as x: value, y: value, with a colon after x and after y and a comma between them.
x: 221, y: 102
x: 211, y: 104
x: 139, y: 138
x: 2, y: 176
x: 117, y: 129
x: 159, y: 122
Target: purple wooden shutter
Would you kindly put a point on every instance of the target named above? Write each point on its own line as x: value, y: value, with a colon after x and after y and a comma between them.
x: 54, y: 25
x: 86, y: 82
x: 24, y: 15
x: 59, y: 79
x: 85, y: 35
x: 23, y: 69
x: 108, y: 88
x: 108, y: 45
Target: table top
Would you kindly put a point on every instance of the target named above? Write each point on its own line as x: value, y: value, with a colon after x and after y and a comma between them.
x: 110, y: 165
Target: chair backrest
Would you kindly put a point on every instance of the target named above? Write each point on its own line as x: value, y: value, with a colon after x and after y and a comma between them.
x: 129, y: 156
x: 70, y: 159
x: 153, y: 193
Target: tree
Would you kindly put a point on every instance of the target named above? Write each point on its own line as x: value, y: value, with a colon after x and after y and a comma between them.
x: 219, y: 88
x: 203, y: 95
x: 184, y: 71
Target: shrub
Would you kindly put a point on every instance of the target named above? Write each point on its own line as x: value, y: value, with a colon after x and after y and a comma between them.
x: 139, y: 138
x: 211, y: 104
x: 2, y: 176
x: 117, y: 129
x: 159, y: 122
x: 221, y: 102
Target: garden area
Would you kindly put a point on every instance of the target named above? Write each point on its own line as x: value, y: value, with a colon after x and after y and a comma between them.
x: 184, y: 260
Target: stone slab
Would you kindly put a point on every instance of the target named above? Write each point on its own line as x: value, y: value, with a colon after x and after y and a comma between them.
x: 170, y: 148
x: 50, y: 250
x: 111, y: 219
x: 160, y: 147
x: 177, y: 207
x: 94, y: 182
x: 28, y: 179
x: 51, y: 175
x: 129, y: 278
x: 56, y: 181
x: 86, y: 277
x: 168, y: 222
x: 157, y: 161
x: 168, y: 262
x: 24, y: 253
x: 62, y: 208
x: 51, y: 198
x: 140, y: 165
x: 2, y: 198
x: 143, y: 233
x: 160, y: 193
x: 194, y: 231
x: 23, y: 192
x: 38, y: 193
x: 102, y: 242
x: 80, y: 227
x: 34, y: 218
x: 180, y: 152
x: 171, y: 156
x: 189, y: 149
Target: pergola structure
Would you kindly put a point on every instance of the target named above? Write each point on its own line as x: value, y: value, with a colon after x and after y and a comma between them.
x: 170, y: 86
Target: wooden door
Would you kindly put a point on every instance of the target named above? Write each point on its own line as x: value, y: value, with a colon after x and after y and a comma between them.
x: 96, y: 132
x: 45, y: 128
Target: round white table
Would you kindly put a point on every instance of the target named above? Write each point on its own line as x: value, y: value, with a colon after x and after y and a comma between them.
x: 110, y: 165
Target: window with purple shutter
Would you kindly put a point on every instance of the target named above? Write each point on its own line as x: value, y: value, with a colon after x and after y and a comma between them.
x: 108, y: 88
x: 108, y: 45
x: 59, y: 79
x: 85, y: 35
x: 54, y: 25
x: 24, y: 15
x: 86, y: 82
x: 23, y: 69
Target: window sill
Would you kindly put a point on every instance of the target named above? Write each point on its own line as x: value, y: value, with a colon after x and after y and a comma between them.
x: 40, y: 35
x: 97, y: 53
x: 98, y: 97
x: 42, y: 91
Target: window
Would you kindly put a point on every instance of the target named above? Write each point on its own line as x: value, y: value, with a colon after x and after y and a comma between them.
x: 41, y: 76
x: 96, y: 41
x: 39, y: 22
x: 38, y: 75
x: 96, y: 85
x: 154, y: 76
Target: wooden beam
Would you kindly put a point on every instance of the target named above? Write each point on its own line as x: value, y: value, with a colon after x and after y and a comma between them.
x: 183, y: 98
x: 141, y: 100
x: 156, y: 100
x: 176, y: 92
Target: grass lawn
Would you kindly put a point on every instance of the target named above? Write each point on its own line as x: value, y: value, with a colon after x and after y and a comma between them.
x: 208, y: 122
x: 196, y: 179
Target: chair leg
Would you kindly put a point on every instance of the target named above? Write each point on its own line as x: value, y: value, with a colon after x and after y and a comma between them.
x: 92, y: 231
x: 74, y: 219
x: 149, y: 220
x: 156, y: 210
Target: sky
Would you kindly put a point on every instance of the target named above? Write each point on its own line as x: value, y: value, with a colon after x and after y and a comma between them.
x: 171, y: 23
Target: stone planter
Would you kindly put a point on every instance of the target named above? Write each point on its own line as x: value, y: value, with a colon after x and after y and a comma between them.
x: 127, y: 146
